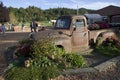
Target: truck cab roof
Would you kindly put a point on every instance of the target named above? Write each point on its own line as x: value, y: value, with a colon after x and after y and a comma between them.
x: 71, y: 16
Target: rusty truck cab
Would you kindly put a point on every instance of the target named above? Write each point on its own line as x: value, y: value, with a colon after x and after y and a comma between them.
x: 73, y: 33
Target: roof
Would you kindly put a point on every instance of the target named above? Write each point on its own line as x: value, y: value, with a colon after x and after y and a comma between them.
x: 108, y: 11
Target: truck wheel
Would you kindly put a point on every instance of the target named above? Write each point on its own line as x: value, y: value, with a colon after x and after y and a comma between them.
x: 92, y: 43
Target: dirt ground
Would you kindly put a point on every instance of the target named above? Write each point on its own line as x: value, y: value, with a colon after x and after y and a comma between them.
x: 10, y: 38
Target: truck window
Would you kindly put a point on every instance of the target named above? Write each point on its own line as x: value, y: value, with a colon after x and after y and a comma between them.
x: 63, y: 23
x: 79, y: 23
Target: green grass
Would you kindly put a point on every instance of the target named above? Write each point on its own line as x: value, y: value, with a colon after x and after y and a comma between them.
x: 109, y: 48
x: 42, y: 23
x: 109, y: 51
x: 31, y: 73
x: 45, y: 23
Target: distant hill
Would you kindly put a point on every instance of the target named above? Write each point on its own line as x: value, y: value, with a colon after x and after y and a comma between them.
x: 84, y: 10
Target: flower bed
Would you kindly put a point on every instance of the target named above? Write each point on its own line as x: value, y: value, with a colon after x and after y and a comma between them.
x: 39, y: 59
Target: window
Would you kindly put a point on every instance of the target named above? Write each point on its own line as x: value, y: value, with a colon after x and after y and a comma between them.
x: 63, y: 23
x: 79, y: 23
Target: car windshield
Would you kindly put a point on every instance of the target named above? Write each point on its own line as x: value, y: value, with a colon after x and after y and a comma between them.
x: 63, y: 23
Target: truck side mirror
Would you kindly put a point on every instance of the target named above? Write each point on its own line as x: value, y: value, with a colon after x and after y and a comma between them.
x: 74, y: 29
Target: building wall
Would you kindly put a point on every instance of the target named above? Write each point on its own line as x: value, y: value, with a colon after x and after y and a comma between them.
x: 115, y: 19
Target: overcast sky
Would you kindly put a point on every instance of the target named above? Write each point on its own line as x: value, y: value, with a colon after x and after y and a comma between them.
x: 46, y: 4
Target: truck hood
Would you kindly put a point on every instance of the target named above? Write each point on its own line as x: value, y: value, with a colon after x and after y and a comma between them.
x: 53, y: 33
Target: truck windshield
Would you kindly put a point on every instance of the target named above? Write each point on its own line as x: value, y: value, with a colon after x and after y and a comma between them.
x: 63, y: 23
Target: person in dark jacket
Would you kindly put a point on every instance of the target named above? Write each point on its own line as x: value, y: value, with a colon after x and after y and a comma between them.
x: 31, y: 26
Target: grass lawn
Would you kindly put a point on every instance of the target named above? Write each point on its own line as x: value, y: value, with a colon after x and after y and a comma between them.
x: 42, y: 23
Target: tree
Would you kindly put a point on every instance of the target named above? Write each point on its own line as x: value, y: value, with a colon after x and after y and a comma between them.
x: 12, y: 18
x: 35, y: 13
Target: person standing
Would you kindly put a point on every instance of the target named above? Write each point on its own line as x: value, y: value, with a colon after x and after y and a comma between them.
x: 3, y: 29
x: 31, y: 26
x: 34, y: 26
x: 22, y: 26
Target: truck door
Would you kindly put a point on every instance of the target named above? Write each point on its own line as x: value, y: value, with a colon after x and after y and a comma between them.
x: 80, y: 34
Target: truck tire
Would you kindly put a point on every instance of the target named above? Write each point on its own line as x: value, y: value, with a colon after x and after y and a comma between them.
x: 91, y: 43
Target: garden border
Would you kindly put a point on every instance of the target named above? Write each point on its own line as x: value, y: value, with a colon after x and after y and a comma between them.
x: 99, y: 68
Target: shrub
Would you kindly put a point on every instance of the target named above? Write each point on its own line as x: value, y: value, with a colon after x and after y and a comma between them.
x: 23, y: 48
x: 44, y: 47
x: 74, y: 60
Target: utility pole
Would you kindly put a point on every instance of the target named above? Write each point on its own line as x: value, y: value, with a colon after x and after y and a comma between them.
x: 60, y: 7
x: 77, y: 10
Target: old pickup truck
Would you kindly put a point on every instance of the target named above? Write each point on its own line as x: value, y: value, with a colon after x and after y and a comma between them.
x: 73, y: 35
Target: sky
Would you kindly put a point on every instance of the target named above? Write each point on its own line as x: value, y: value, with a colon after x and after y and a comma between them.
x: 73, y: 4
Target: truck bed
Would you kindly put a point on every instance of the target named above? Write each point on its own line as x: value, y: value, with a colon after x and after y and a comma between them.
x: 93, y: 34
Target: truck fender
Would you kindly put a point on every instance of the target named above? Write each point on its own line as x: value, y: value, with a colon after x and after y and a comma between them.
x: 103, y: 36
